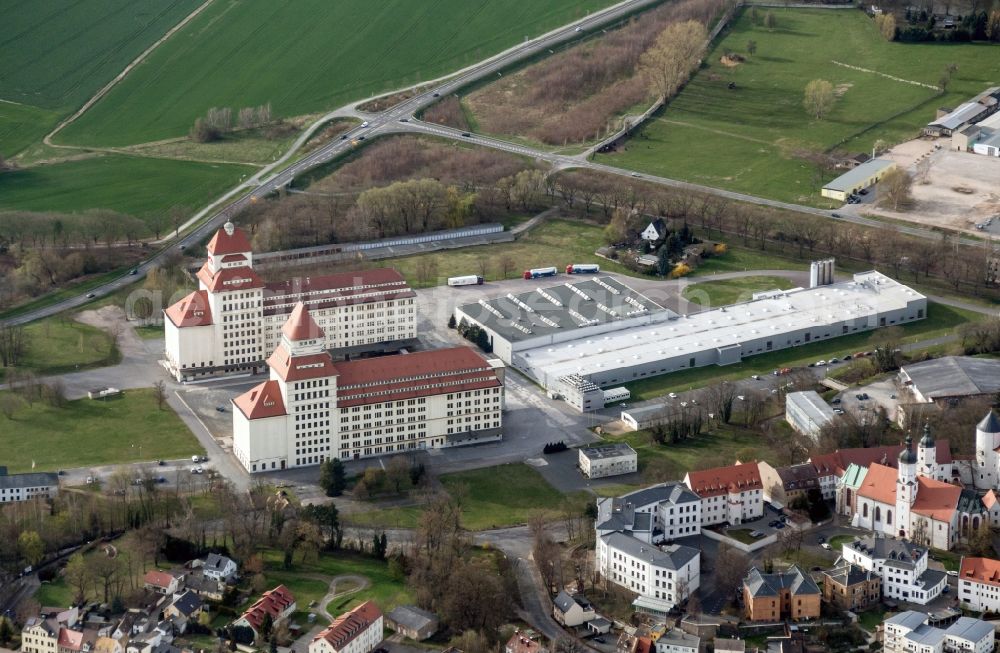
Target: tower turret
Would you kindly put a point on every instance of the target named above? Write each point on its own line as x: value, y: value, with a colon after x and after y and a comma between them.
x: 927, y: 454
x: 906, y: 489
x: 986, y: 472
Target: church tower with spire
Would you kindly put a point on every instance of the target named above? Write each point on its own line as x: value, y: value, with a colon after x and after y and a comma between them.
x: 906, y: 488
x: 927, y: 455
x: 985, y: 473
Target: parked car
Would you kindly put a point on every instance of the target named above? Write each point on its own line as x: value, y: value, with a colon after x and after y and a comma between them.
x: 836, y: 401
x: 756, y: 534
x: 779, y: 525
x: 838, y: 411
x: 672, y: 395
x: 755, y: 377
x: 821, y: 539
x: 825, y: 545
x: 952, y: 573
x: 194, y: 459
x: 834, y: 360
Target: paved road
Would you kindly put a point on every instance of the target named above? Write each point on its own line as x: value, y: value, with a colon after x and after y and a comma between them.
x: 377, y: 124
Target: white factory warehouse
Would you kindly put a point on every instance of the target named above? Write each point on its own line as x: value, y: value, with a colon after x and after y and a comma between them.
x: 574, y: 341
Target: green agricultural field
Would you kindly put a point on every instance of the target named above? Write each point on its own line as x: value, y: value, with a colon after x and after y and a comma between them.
x: 86, y: 432
x: 58, y: 53
x: 554, y: 242
x: 342, y: 51
x: 139, y: 186
x: 732, y: 291
x: 753, y: 138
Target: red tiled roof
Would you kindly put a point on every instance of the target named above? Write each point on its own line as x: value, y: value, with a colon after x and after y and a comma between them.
x: 339, y: 300
x: 70, y: 639
x: 229, y: 258
x: 980, y: 570
x: 272, y: 602
x: 261, y: 401
x: 936, y: 499
x: 191, y: 311
x: 300, y: 368
x: 722, y: 480
x: 990, y: 499
x: 349, y: 625
x: 158, y: 579
x: 361, y: 400
x: 340, y: 281
x: 838, y: 461
x: 405, y: 366
x: 879, y: 484
x: 228, y: 279
x: 301, y: 326
x: 644, y: 645
x: 223, y: 243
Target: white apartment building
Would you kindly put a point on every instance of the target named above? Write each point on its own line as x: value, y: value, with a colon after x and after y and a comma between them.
x: 357, y: 631
x: 901, y: 565
x: 908, y: 632
x: 661, y: 513
x: 677, y: 641
x: 234, y: 318
x: 25, y: 487
x: 663, y: 576
x: 608, y: 460
x: 312, y: 410
x: 731, y: 494
x: 979, y: 584
x: 40, y: 636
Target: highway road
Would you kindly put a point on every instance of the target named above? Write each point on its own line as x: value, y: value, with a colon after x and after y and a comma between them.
x: 400, y: 119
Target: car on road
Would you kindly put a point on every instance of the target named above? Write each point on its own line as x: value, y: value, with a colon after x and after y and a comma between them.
x: 90, y: 480
x: 635, y: 174
x: 161, y: 463
x: 825, y: 545
x: 404, y: 120
x: 836, y: 400
x: 220, y: 409
x: 194, y: 459
x: 952, y: 573
x: 437, y: 95
x: 91, y: 295
x: 466, y: 135
x: 343, y: 137
x: 834, y: 360
x: 863, y: 191
x: 836, y: 215
x: 838, y: 411
x: 779, y: 525
x: 361, y: 138
x: 161, y: 479
x: 364, y: 124
x: 672, y: 395
x: 134, y: 272
x: 821, y: 539
x: 755, y: 377
x: 820, y: 363
x: 578, y: 29
x: 864, y: 396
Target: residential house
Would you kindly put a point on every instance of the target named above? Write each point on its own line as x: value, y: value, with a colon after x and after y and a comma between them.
x: 607, y: 460
x: 412, y: 622
x: 782, y: 485
x: 357, y: 631
x: 40, y: 635
x: 279, y: 603
x: 902, y: 566
x: 108, y: 645
x: 677, y: 641
x: 219, y: 567
x: 789, y: 594
x: 184, y: 606
x: 655, y: 231
x: 979, y: 584
x: 207, y: 588
x: 572, y: 610
x: 850, y: 587
x: 161, y: 582
x: 731, y: 494
x: 28, y: 486
x: 730, y: 645
x: 76, y: 641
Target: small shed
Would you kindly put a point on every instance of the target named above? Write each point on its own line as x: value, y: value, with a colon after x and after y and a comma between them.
x: 412, y: 622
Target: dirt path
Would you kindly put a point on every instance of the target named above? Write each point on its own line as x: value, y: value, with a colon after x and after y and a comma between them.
x: 361, y: 583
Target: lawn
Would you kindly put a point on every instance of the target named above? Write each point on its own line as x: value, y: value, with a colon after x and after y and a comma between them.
x: 242, y: 55
x: 58, y: 53
x: 55, y: 593
x: 732, y: 291
x: 721, y: 445
x: 87, y: 432
x: 310, y: 581
x: 741, y: 259
x: 761, y: 125
x: 554, y: 242
x: 950, y: 559
x: 60, y: 344
x: 493, y: 497
x: 941, y: 320
x: 741, y: 535
x: 870, y: 620
x: 838, y: 541
x: 139, y: 186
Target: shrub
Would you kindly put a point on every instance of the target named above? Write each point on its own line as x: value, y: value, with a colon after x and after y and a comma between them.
x: 680, y: 270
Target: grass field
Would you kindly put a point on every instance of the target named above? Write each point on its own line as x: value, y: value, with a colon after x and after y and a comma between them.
x: 138, y: 186
x: 494, y: 497
x: 87, y: 432
x: 731, y: 291
x: 554, y: 242
x: 761, y: 126
x: 941, y: 320
x: 310, y: 581
x: 57, y: 345
x: 57, y: 54
x: 241, y: 52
